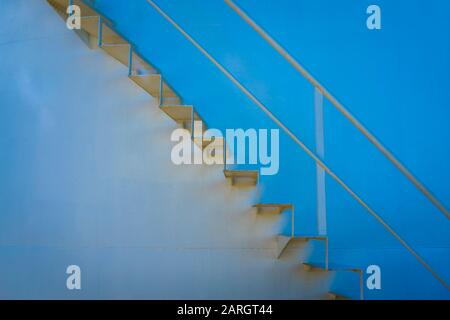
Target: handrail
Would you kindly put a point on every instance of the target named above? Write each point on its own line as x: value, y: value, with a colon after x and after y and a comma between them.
x: 340, y: 107
x: 296, y: 140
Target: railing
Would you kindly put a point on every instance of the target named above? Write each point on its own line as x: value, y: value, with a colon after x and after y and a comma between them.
x: 318, y: 161
x: 341, y: 108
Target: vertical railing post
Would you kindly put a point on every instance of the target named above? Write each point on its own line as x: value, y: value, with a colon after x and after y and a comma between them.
x: 320, y: 172
x: 161, y: 93
x: 192, y: 123
x: 361, y: 285
x: 130, y: 61
x: 292, y: 222
x: 224, y: 154
x: 100, y: 31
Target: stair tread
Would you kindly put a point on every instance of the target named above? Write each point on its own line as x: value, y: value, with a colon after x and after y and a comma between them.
x: 86, y: 10
x: 219, y: 139
x: 241, y: 173
x: 180, y: 112
x: 205, y: 141
x: 140, y: 65
x: 281, y: 206
x: 242, y: 177
x: 90, y: 25
x: 338, y: 296
x: 149, y: 82
x: 59, y: 7
x: 303, y: 237
x: 109, y: 36
x: 89, y: 17
x: 168, y: 92
x: 310, y: 237
x: 331, y: 266
x: 152, y: 84
x: 120, y: 52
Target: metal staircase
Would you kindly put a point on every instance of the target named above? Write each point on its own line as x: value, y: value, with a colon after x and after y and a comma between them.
x: 98, y: 31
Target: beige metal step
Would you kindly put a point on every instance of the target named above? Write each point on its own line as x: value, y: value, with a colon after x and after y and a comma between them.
x: 59, y: 7
x: 90, y: 25
x: 139, y: 66
x: 242, y: 177
x: 87, y: 21
x: 150, y: 83
x: 86, y: 11
x: 275, y: 208
x: 311, y: 237
x: 283, y: 241
x: 314, y: 266
x: 90, y: 20
x: 121, y: 52
x: 204, y: 142
x: 320, y: 266
x: 169, y: 97
x: 181, y: 114
x: 62, y: 5
x: 109, y: 36
x: 337, y: 296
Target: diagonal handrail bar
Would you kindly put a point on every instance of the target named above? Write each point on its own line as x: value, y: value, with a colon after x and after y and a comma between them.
x: 274, y: 44
x: 297, y: 141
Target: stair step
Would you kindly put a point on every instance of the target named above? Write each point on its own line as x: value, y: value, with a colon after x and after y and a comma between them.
x: 109, y: 36
x: 120, y: 52
x: 62, y: 5
x: 276, y: 208
x: 311, y: 237
x: 89, y: 20
x: 90, y: 25
x: 59, y: 4
x: 320, y: 266
x: 150, y: 83
x: 337, y: 296
x: 180, y: 113
x: 139, y: 66
x: 86, y: 11
x: 283, y: 241
x: 60, y: 8
x: 170, y: 97
x: 242, y: 177
x: 114, y: 44
x: 204, y: 142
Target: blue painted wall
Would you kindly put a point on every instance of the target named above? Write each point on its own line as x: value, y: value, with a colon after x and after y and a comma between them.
x: 394, y: 80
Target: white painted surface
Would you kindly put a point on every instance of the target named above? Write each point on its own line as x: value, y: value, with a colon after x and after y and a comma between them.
x: 320, y: 173
x: 86, y: 179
